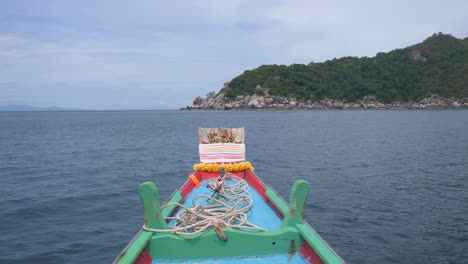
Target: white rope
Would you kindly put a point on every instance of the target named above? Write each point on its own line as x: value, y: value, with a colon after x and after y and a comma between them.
x: 227, y: 209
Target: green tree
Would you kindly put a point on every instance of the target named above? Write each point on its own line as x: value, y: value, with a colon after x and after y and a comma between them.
x: 211, y: 94
x: 437, y: 65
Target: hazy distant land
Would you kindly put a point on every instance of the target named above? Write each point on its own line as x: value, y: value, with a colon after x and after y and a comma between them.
x: 33, y: 108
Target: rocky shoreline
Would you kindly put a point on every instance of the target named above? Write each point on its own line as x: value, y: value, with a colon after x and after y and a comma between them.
x: 270, y: 102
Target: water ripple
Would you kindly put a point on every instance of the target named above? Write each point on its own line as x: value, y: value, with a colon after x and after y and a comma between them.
x: 386, y: 186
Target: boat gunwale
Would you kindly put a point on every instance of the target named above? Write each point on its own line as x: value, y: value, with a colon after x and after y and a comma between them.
x: 140, y: 232
x: 261, y: 188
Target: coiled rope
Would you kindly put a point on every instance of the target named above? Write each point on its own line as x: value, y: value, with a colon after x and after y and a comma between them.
x: 227, y: 209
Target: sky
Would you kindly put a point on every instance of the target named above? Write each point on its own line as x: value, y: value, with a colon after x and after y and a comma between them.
x: 162, y: 54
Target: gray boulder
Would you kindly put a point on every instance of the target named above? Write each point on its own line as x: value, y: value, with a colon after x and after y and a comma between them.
x: 253, y: 103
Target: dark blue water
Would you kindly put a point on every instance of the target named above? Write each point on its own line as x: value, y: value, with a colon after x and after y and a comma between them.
x: 386, y: 186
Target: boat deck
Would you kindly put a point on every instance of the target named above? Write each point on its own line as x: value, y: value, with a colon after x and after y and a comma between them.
x: 261, y: 215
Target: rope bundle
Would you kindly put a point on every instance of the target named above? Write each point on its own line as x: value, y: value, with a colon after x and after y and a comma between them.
x: 227, y: 209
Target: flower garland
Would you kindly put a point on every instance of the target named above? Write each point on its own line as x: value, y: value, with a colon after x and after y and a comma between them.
x: 229, y: 167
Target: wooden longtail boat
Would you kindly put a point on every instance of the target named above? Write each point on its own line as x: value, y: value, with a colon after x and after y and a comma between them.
x: 224, y: 213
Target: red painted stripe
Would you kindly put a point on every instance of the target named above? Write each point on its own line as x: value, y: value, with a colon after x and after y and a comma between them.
x: 144, y: 258
x: 309, y: 254
x: 256, y: 183
x: 189, y: 185
x: 187, y: 188
x: 260, y: 187
x: 209, y: 175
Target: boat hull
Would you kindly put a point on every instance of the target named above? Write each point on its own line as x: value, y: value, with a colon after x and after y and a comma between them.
x: 287, y: 233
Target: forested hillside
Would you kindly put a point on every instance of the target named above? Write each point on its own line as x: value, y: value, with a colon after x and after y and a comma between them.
x: 438, y: 65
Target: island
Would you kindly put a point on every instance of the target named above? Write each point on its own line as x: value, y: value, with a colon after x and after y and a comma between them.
x: 432, y: 74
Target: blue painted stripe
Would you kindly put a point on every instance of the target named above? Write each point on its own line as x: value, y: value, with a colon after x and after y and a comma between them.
x: 280, y: 258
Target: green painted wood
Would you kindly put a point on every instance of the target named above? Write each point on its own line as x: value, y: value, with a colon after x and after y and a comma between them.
x: 299, y: 193
x: 320, y: 247
x: 175, y: 198
x: 149, y: 196
x: 276, y: 200
x: 140, y: 241
x: 315, y: 241
x: 131, y: 253
x: 208, y: 245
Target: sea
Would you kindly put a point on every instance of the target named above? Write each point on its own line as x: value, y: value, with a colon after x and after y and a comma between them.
x: 387, y: 186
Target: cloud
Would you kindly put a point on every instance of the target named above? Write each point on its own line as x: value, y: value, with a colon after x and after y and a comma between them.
x: 149, y: 54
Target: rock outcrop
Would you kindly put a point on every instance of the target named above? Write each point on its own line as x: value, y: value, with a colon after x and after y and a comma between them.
x: 262, y: 100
